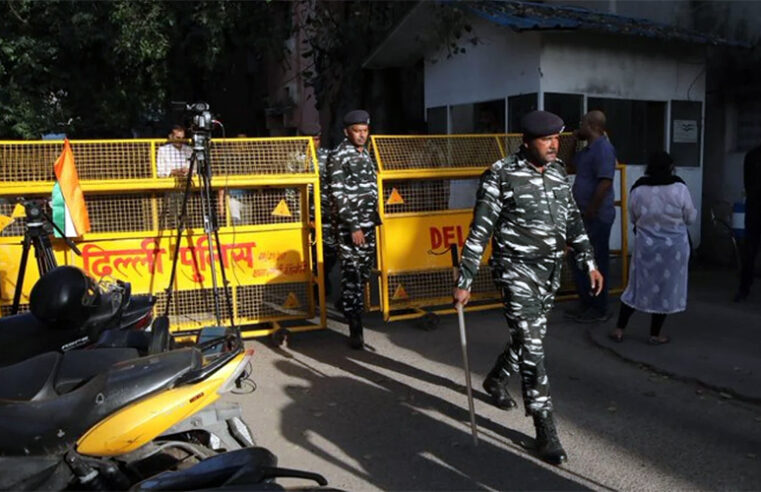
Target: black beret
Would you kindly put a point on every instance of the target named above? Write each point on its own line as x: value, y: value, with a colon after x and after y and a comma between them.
x: 311, y: 129
x: 541, y: 124
x: 357, y: 117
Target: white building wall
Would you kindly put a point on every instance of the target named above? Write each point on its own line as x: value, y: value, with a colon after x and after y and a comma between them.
x: 622, y: 67
x: 605, y: 66
x: 508, y: 63
x: 504, y: 63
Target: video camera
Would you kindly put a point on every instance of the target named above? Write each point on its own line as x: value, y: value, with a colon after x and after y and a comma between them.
x: 36, y: 210
x: 202, y: 120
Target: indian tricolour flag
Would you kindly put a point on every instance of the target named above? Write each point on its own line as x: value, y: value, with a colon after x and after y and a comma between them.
x: 69, y: 209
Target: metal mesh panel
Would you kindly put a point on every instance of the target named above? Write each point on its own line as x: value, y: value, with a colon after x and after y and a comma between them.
x: 272, y: 300
x: 120, y: 213
x: 20, y: 162
x: 260, y: 156
x: 435, y: 283
x: 257, y: 205
x: 131, y: 159
x: 112, y: 160
x: 418, y: 195
x: 94, y: 160
x: 5, y: 310
x: 16, y: 228
x: 432, y: 152
x: 191, y: 306
x: 170, y: 205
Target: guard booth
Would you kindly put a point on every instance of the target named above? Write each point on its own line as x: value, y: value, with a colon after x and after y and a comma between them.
x: 428, y: 185
x: 261, y: 189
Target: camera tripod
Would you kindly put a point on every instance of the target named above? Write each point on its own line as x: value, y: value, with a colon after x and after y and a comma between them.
x: 199, y: 160
x: 35, y: 235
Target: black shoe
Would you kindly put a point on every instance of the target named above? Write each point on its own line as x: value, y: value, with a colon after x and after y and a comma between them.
x: 356, y: 340
x: 592, y: 315
x: 547, y: 443
x: 496, y: 385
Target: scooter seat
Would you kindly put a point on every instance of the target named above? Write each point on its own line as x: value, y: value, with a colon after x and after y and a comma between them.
x: 80, y: 366
x: 24, y: 335
x: 29, y: 379
x: 51, y: 374
x: 50, y: 425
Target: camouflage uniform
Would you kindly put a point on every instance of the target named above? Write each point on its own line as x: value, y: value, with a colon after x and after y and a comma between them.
x: 329, y: 253
x: 531, y: 216
x: 354, y: 192
x: 326, y: 213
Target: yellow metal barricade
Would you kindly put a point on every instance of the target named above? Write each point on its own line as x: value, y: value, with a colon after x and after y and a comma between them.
x: 262, y: 189
x: 427, y: 186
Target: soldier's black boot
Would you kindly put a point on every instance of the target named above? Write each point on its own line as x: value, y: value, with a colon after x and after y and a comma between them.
x: 547, y: 443
x: 496, y: 385
x: 356, y: 340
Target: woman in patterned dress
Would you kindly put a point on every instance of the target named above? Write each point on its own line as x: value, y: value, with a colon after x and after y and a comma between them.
x: 660, y: 208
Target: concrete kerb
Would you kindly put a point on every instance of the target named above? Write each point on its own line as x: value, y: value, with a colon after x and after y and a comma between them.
x: 598, y: 334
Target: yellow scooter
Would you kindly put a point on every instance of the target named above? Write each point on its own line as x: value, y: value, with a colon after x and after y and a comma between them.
x: 106, y: 418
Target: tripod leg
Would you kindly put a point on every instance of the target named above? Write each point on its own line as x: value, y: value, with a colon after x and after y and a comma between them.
x: 21, y: 271
x: 228, y: 300
x: 181, y: 218
x: 211, y: 229
x: 44, y: 252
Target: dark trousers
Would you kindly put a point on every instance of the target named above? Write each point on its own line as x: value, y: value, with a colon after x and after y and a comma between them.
x: 752, y: 240
x: 599, y: 235
x: 656, y: 320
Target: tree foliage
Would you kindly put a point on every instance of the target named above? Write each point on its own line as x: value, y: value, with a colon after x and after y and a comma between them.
x: 341, y: 35
x: 101, y: 68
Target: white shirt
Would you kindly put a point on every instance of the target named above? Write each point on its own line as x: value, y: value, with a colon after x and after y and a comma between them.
x: 169, y: 158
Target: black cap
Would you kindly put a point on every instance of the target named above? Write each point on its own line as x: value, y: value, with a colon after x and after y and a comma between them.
x: 541, y: 124
x: 357, y: 117
x: 311, y: 129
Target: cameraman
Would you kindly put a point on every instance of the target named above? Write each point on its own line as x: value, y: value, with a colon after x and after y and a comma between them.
x: 173, y: 158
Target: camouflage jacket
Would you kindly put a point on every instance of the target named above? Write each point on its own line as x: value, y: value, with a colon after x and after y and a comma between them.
x: 529, y: 215
x: 353, y: 187
x: 323, y: 155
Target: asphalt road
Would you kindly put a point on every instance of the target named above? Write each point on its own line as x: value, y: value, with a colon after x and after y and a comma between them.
x: 395, y: 417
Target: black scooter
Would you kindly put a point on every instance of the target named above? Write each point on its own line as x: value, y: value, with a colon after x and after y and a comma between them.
x: 69, y: 310
x: 244, y: 469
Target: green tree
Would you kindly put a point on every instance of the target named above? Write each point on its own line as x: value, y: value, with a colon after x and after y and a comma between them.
x: 101, y: 68
x: 341, y: 35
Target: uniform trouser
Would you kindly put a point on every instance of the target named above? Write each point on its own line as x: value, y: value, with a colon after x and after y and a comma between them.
x: 752, y: 240
x: 528, y: 293
x: 356, y: 265
x: 329, y: 255
x: 599, y: 235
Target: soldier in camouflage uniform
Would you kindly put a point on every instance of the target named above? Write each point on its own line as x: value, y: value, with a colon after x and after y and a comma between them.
x: 354, y: 190
x: 524, y: 204
x: 329, y: 253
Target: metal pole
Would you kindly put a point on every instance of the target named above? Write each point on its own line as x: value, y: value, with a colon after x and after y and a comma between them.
x: 464, y: 345
x: 466, y: 364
